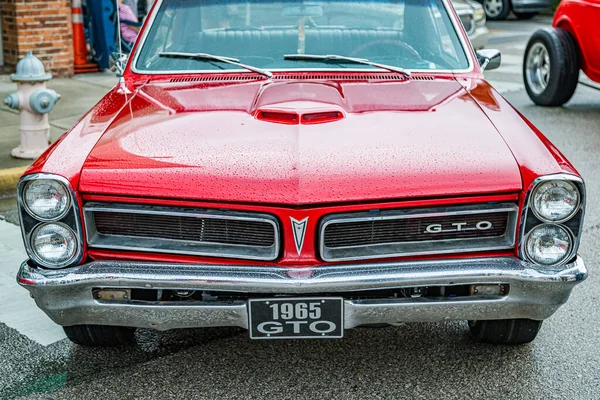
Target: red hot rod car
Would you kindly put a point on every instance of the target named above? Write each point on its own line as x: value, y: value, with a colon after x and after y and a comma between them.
x: 300, y: 169
x: 554, y: 57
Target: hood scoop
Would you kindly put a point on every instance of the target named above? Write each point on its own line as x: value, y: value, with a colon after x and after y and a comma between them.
x: 300, y: 103
x: 294, y: 118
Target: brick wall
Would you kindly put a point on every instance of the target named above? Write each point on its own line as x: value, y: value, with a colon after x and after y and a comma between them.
x: 9, y: 32
x: 42, y: 26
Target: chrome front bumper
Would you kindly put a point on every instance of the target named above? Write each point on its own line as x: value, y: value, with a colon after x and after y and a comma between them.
x: 66, y: 295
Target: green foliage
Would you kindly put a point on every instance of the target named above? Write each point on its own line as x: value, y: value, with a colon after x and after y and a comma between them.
x: 555, y: 4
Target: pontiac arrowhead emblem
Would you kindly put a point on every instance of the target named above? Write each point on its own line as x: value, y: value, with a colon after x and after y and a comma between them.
x: 299, y: 229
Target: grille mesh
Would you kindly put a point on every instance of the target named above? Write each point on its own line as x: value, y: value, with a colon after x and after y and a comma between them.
x: 365, y: 233
x: 188, y: 228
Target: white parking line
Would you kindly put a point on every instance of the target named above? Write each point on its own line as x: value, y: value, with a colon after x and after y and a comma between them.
x: 17, y: 308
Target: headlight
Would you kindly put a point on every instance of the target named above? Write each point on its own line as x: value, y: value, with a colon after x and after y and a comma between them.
x: 54, y: 244
x: 548, y: 244
x: 46, y: 199
x: 478, y: 14
x: 555, y: 201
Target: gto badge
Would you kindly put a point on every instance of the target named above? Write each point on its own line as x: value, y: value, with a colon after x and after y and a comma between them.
x: 459, y: 227
x: 299, y: 230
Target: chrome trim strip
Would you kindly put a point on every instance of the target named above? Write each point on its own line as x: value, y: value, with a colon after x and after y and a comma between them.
x: 73, y: 210
x: 65, y: 295
x: 424, y: 247
x: 174, y: 246
x: 466, y: 46
x: 527, y: 206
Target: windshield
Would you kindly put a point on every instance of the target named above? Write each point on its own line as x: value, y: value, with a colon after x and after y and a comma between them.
x: 408, y: 34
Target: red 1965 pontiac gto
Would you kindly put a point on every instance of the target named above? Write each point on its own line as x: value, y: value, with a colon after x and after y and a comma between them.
x: 299, y: 169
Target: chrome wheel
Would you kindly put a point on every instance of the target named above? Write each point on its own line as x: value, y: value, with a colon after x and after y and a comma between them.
x: 493, y: 8
x: 538, y: 68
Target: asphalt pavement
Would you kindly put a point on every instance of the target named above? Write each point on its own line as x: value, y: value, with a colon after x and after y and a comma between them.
x: 424, y: 361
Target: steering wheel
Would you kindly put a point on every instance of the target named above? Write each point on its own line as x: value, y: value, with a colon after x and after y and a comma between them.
x: 384, y: 45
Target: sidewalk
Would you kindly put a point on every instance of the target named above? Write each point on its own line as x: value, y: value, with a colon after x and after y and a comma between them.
x: 18, y: 309
x: 79, y: 94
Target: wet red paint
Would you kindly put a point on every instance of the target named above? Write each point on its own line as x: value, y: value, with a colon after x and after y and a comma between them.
x: 445, y: 139
x: 398, y: 140
x: 581, y: 19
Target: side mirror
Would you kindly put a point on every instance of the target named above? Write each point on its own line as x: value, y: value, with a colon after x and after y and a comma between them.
x: 118, y: 62
x: 489, y: 59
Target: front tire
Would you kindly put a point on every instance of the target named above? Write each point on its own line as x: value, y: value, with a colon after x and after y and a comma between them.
x: 551, y: 67
x: 505, y: 331
x: 100, y: 335
x: 496, y: 10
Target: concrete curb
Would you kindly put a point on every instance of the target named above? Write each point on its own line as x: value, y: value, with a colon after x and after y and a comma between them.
x: 9, y: 178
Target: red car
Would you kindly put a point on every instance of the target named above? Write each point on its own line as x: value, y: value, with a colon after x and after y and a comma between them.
x: 300, y: 169
x: 554, y: 56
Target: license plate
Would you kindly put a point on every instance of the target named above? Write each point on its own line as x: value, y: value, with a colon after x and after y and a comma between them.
x: 296, y: 318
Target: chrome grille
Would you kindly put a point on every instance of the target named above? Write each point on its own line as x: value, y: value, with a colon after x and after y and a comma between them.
x: 182, y: 230
x: 179, y: 227
x: 410, y: 230
x: 393, y: 233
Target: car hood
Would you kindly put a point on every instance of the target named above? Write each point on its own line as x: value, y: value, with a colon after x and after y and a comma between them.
x: 416, y: 138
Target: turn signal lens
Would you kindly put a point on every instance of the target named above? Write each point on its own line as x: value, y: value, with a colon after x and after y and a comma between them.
x: 548, y: 244
x: 555, y: 201
x: 55, y: 245
x: 46, y: 199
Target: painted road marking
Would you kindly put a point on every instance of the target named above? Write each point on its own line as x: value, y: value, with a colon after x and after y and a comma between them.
x: 17, y: 308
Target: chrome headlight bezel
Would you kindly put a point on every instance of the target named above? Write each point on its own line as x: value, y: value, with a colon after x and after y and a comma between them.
x: 573, y: 224
x: 35, y: 251
x: 563, y: 260
x: 35, y: 215
x: 538, y: 212
x: 31, y: 222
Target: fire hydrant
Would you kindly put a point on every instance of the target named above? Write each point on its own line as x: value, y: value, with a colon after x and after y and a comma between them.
x: 34, y: 102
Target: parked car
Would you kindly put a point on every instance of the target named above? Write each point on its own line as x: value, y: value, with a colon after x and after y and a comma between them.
x: 472, y: 16
x: 496, y: 10
x: 554, y: 57
x: 344, y: 164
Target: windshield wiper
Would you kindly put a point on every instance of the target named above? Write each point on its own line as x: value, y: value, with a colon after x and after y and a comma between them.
x: 212, y: 57
x: 338, y: 58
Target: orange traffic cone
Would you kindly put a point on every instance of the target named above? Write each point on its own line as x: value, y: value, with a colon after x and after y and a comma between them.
x: 80, y: 52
